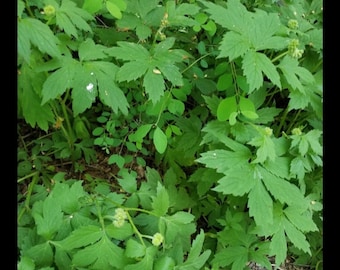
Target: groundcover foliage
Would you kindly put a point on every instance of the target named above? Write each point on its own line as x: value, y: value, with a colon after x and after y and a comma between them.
x: 209, y: 111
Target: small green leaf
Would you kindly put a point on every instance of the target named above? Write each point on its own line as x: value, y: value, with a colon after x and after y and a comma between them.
x: 114, y: 10
x: 92, y: 6
x: 160, y: 140
x: 140, y: 133
x: 226, y: 107
x: 120, y: 4
x: 116, y: 159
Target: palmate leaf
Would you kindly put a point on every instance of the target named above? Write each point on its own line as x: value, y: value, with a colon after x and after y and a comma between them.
x: 30, y: 102
x: 146, y: 262
x: 69, y: 17
x: 109, y: 93
x: 85, y: 90
x: 195, y: 259
x: 88, y: 50
x: 260, y: 204
x: 237, y: 181
x: 48, y: 217
x: 104, y: 255
x: 295, y: 75
x: 281, y: 189
x: 178, y: 226
x: 235, y: 17
x: 256, y: 64
x: 160, y: 202
x: 33, y: 31
x: 154, y: 85
x: 60, y: 80
x: 68, y: 196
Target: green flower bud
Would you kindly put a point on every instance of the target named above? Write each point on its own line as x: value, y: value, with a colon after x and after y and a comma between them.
x: 49, y: 10
x: 296, y: 131
x: 157, y: 239
x: 293, y: 24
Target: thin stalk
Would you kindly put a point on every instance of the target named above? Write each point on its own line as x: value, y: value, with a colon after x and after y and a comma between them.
x: 293, y: 122
x: 28, y: 197
x: 283, y: 119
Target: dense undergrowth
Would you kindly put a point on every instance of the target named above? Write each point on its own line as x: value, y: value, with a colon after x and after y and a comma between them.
x: 169, y: 134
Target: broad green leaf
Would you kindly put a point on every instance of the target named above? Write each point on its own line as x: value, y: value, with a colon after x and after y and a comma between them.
x: 171, y: 73
x: 88, y: 50
x: 143, y: 31
x: 140, y: 133
x: 261, y: 32
x: 164, y: 46
x: 226, y: 107
x: 204, y: 179
x: 104, y: 254
x: 295, y: 75
x: 260, y: 204
x: 179, y: 14
x: 154, y: 85
x: 132, y: 70
x: 297, y: 237
x: 160, y: 140
x: 195, y: 260
x: 298, y: 100
x: 160, y: 203
x: 62, y: 258
x: 113, y: 9
x: 134, y: 249
x: 224, y: 82
x: 85, y: 90
x: 179, y: 227
x: 121, y: 233
x: 65, y: 23
x: 30, y: 102
x: 146, y: 262
x: 278, y: 245
x: 247, y: 108
x: 254, y: 64
x: 279, y: 166
x: 120, y: 4
x: 70, y: 18
x: 109, y: 93
x: 176, y: 107
x: 282, y: 190
x: 92, y: 6
x: 129, y: 51
x: 210, y: 27
x: 116, y: 159
x: 42, y: 254
x: 265, y: 148
x: 216, y: 130
x: 237, y: 256
x: 314, y: 137
x: 237, y: 181
x: 26, y: 263
x: 83, y: 236
x: 300, y: 219
x: 162, y: 263
x: 49, y: 218
x: 223, y: 160
x: 266, y: 115
x: 60, y: 80
x: 233, y: 45
x: 33, y: 31
x: 235, y: 17
x: 68, y: 196
x: 128, y: 182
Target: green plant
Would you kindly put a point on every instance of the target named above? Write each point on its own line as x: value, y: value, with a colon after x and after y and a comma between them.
x: 207, y: 114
